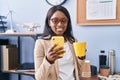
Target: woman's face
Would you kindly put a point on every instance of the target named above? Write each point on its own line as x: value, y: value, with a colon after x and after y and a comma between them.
x: 58, y: 23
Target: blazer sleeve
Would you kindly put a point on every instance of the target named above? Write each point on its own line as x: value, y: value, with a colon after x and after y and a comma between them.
x: 80, y: 63
x: 42, y: 66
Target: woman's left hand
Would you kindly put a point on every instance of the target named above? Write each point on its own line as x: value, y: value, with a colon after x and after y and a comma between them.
x: 82, y: 57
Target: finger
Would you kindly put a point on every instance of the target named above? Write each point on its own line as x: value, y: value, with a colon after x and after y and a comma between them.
x: 57, y: 55
x: 61, y: 52
x: 57, y: 52
x: 50, y: 57
x: 82, y: 57
x: 52, y: 50
x: 52, y: 47
x: 58, y: 49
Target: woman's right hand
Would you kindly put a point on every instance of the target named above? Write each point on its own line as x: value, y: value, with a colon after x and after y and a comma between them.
x: 54, y: 54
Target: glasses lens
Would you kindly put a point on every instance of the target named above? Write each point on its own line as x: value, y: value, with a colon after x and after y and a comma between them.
x: 63, y: 20
x: 56, y: 20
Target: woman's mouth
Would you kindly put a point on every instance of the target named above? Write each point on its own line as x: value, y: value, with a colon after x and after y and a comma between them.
x: 59, y: 29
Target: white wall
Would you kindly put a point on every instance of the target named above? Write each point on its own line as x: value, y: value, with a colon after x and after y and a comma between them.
x: 97, y: 37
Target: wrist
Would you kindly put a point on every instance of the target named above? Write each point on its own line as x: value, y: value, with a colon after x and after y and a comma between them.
x: 51, y: 62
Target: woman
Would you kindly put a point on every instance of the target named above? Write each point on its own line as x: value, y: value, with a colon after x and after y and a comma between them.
x: 48, y: 64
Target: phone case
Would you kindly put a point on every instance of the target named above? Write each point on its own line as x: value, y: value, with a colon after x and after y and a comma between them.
x: 59, y: 40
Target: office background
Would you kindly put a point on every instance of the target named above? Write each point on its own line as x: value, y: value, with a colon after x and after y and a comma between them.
x: 97, y: 37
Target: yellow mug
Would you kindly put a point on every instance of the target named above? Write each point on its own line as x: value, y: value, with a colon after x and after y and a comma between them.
x: 80, y: 48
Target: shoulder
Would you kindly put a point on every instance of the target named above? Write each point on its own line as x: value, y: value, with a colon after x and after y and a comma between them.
x: 42, y: 41
x: 39, y: 40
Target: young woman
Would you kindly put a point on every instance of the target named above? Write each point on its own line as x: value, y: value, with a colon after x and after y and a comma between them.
x: 48, y: 64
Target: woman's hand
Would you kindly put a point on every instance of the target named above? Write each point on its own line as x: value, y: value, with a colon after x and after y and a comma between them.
x: 54, y: 54
x: 82, y: 57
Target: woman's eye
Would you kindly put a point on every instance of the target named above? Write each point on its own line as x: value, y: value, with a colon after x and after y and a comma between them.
x: 63, y: 20
x: 55, y: 21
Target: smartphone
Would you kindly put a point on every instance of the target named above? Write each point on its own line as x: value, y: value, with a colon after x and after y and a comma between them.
x: 59, y: 40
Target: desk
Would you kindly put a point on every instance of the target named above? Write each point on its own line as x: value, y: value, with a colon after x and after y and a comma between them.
x: 28, y: 73
x: 32, y: 74
x: 28, y: 34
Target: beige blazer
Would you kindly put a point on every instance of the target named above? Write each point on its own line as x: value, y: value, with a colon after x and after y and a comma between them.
x: 46, y: 71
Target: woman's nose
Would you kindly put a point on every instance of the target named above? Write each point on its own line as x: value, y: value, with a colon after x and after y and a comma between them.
x: 59, y: 23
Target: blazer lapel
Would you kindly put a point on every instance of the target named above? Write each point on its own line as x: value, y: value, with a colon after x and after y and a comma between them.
x: 75, y: 61
x: 56, y: 68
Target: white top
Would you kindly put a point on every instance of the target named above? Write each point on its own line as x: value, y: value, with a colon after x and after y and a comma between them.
x: 66, y: 65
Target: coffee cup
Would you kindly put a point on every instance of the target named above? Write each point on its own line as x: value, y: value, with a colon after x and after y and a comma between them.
x: 80, y: 48
x: 86, y: 69
x: 104, y: 70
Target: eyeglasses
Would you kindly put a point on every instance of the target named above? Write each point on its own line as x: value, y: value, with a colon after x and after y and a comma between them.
x: 57, y: 20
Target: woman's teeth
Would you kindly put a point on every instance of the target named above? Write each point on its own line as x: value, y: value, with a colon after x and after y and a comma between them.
x: 59, y: 29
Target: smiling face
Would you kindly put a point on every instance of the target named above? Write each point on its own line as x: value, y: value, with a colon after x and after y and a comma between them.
x: 58, y: 23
